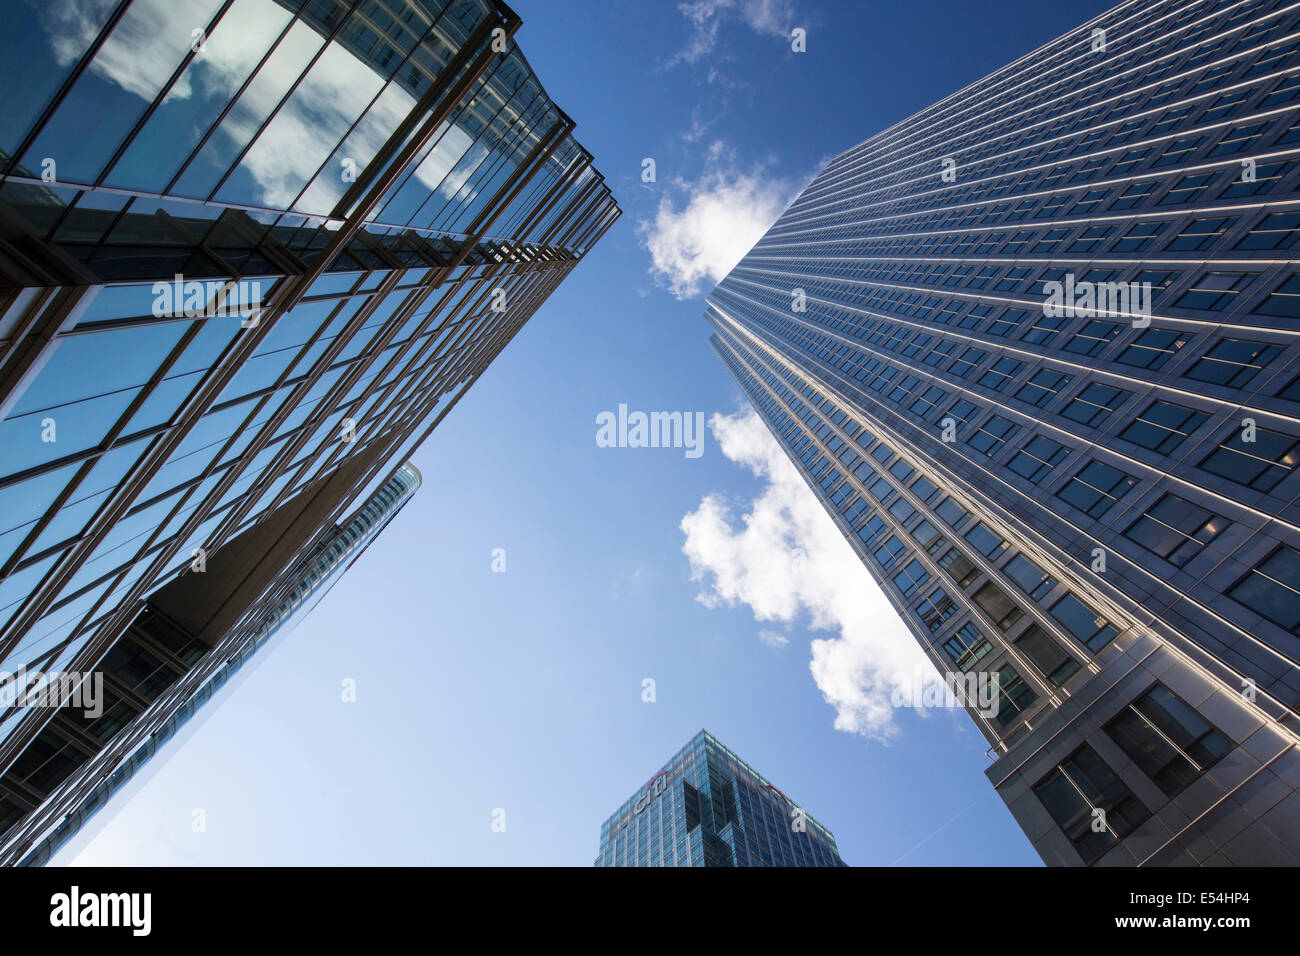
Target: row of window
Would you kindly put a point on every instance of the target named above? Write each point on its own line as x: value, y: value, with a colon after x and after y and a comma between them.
x: 1168, y: 741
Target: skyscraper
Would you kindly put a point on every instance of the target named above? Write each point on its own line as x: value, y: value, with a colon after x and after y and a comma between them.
x: 89, y: 786
x: 707, y: 807
x: 251, y: 253
x: 1035, y: 350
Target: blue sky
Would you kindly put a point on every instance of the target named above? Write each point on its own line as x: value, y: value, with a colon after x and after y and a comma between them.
x: 522, y: 690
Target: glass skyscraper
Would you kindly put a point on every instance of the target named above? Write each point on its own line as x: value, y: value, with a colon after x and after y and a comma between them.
x: 251, y: 253
x: 90, y: 786
x: 707, y: 807
x: 1035, y: 350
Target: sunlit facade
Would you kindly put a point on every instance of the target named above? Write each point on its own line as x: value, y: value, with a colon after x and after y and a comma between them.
x: 1035, y: 350
x: 707, y: 807
x: 251, y: 253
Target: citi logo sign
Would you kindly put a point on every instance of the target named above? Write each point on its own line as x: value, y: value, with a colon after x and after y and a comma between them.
x: 656, y: 788
x: 74, y: 908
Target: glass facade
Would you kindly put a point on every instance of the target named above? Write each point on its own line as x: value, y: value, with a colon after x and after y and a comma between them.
x: 251, y: 253
x: 300, y: 591
x: 1035, y: 350
x: 707, y: 807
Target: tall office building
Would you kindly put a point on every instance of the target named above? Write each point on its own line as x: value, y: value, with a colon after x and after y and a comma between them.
x: 1035, y: 350
x: 175, y: 694
x: 251, y: 253
x: 707, y: 807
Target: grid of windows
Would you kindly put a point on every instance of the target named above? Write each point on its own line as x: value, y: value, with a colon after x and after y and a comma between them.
x: 1086, y: 343
x: 271, y: 281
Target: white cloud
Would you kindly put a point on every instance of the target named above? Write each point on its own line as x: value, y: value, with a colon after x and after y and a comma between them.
x: 773, y: 638
x: 774, y: 18
x: 788, y: 558
x: 723, y: 214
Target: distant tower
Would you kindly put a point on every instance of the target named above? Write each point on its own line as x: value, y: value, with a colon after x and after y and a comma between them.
x: 707, y: 807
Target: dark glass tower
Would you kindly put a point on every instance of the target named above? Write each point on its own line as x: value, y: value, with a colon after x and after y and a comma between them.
x: 707, y: 807
x: 251, y: 253
x: 1035, y: 349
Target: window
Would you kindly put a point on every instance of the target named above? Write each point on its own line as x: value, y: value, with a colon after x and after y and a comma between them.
x: 1043, y: 330
x: 1175, y: 529
x: 1279, y: 230
x: 1283, y: 301
x: 1090, y: 629
x: 1215, y: 291
x: 1042, y: 387
x: 901, y: 510
x: 935, y: 608
x: 1188, y: 189
x: 951, y: 512
x: 968, y: 362
x: 1029, y: 577
x: 1152, y: 349
x: 1037, y: 459
x: 928, y: 401
x: 925, y: 534
x: 964, y: 412
x: 1272, y: 589
x: 1292, y: 390
x: 1007, y: 322
x: 890, y: 551
x: 1001, y: 374
x: 911, y: 577
x: 1094, y: 404
x: 1045, y: 654
x: 986, y: 541
x: 871, y: 530
x: 1239, y: 138
x: 1092, y: 338
x: 923, y: 488
x: 1260, y: 464
x: 992, y: 435
x: 966, y: 647
x: 1080, y: 785
x: 1139, y: 235
x: 1266, y: 175
x: 1170, y: 741
x: 998, y: 606
x: 1013, y: 695
x: 1232, y: 362
x: 1200, y: 234
x: 901, y: 470
x: 1163, y: 426
x: 1095, y: 488
x: 959, y: 567
x: 1134, y: 195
